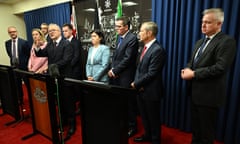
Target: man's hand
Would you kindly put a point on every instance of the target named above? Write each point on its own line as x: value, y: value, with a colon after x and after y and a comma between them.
x: 187, y: 74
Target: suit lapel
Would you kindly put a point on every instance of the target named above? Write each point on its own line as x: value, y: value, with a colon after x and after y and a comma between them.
x: 209, y: 47
x: 98, y: 51
x: 148, y: 52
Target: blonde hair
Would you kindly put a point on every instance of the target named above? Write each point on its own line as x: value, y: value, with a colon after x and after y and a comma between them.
x: 219, y: 14
x: 42, y: 37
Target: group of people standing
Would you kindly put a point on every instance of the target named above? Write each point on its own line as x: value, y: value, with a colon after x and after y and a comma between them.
x: 131, y: 67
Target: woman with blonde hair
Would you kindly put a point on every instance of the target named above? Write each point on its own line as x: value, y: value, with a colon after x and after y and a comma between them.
x: 38, y: 64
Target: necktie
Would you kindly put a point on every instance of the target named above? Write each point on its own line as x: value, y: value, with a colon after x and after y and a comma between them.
x: 200, y: 51
x: 143, y: 52
x: 119, y: 41
x: 55, y: 44
x: 14, y: 53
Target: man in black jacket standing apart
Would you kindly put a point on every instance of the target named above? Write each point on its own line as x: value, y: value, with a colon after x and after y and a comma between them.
x: 18, y: 51
x: 124, y: 65
x: 148, y: 81
x: 206, y: 72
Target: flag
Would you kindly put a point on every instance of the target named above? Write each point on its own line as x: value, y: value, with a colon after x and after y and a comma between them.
x: 96, y: 16
x: 119, y: 8
x: 74, y: 21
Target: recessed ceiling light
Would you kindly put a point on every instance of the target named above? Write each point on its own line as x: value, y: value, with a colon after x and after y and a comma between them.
x: 89, y: 10
x: 129, y: 3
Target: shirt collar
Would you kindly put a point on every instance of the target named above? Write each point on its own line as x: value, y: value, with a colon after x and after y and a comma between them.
x: 150, y: 43
x: 69, y: 39
x: 58, y: 40
x: 16, y: 39
x: 123, y: 36
x: 212, y: 36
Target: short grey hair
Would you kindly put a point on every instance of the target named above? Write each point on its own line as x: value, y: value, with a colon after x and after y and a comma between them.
x: 55, y: 26
x: 219, y: 14
x: 151, y: 26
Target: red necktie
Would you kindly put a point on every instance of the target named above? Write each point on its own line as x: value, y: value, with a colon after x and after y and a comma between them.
x: 143, y: 52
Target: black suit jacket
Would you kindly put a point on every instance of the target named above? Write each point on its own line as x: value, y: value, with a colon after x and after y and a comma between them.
x: 76, y: 63
x: 209, y: 85
x: 149, y: 73
x: 60, y: 55
x: 23, y: 52
x: 124, y: 60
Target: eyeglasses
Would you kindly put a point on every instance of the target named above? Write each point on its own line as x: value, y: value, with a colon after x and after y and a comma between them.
x: 12, y: 31
x: 52, y: 30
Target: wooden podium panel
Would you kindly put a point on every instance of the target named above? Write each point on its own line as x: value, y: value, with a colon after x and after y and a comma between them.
x: 42, y: 101
x: 40, y: 106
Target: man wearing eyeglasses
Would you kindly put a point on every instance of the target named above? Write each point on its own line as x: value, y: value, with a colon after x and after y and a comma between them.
x: 18, y: 51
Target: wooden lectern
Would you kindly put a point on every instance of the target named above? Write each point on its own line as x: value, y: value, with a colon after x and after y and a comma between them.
x: 42, y: 98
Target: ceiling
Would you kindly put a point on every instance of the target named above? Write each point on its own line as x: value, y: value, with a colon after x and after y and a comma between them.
x: 10, y: 1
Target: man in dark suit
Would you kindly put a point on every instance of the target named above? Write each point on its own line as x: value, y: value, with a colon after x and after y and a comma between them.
x: 18, y: 51
x: 77, y: 73
x: 76, y: 63
x: 148, y: 81
x: 206, y: 73
x: 60, y: 52
x: 44, y: 29
x: 124, y: 66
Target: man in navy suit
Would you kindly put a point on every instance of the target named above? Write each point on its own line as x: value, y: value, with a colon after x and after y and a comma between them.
x: 206, y: 73
x: 148, y: 81
x: 44, y: 29
x: 124, y: 65
x: 60, y: 52
x: 77, y: 73
x: 18, y: 51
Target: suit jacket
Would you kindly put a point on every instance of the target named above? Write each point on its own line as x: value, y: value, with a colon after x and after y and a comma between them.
x: 23, y: 52
x: 76, y: 62
x: 60, y: 55
x: 209, y: 84
x: 124, y: 61
x: 149, y: 73
x: 101, y: 60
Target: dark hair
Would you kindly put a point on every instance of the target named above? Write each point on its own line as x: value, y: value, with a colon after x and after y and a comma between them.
x: 125, y: 20
x: 68, y: 25
x: 100, y: 34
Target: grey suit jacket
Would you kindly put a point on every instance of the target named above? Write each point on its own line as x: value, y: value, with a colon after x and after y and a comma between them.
x: 209, y: 84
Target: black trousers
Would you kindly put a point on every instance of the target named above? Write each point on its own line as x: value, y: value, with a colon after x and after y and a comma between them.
x: 67, y: 103
x: 132, y: 104
x: 203, y: 123
x: 150, y: 114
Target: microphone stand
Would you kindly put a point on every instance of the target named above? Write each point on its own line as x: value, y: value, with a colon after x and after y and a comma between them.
x: 59, y: 113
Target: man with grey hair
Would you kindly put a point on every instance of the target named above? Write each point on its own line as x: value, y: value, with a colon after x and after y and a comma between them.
x: 60, y: 52
x: 206, y: 73
x: 148, y: 82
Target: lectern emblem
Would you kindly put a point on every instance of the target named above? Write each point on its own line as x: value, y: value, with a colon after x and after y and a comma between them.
x: 40, y: 95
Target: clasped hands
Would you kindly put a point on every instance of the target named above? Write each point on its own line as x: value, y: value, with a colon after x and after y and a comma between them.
x: 187, y: 74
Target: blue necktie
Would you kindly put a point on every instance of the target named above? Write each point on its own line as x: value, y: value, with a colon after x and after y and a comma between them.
x: 200, y: 51
x: 119, y: 41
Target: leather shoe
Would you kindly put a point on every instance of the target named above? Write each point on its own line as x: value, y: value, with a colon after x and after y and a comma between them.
x: 132, y: 132
x: 70, y: 132
x: 142, y: 139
